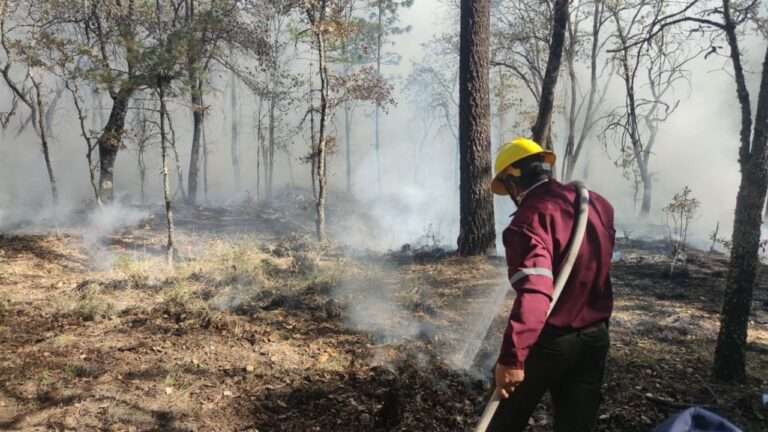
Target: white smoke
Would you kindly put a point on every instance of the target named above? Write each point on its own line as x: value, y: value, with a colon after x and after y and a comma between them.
x: 103, y: 222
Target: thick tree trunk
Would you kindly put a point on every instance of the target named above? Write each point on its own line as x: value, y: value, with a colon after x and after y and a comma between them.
x: 166, y: 177
x: 541, y: 129
x: 477, y: 231
x: 729, y: 363
x: 198, y: 117
x: 110, y: 141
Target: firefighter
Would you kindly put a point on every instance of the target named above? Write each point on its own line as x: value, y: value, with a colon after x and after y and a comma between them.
x: 563, y: 353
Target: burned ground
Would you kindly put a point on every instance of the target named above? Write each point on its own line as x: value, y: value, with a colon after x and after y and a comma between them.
x: 260, y: 329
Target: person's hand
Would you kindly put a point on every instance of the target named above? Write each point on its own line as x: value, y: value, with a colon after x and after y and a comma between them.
x: 507, y: 379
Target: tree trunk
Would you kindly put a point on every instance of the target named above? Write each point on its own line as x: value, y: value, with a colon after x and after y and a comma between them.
x: 259, y: 145
x: 142, y: 165
x: 321, y: 144
x: 42, y: 130
x: 166, y: 177
x: 570, y: 59
x: 729, y: 362
x: 377, y: 112
x: 198, y: 117
x: 647, y: 180
x: 569, y: 153
x: 289, y: 163
x: 176, y: 158
x: 235, y: 149
x: 632, y: 127
x: 501, y: 109
x: 205, y: 165
x: 270, y: 166
x: 312, y: 142
x: 592, y: 104
x: 110, y: 141
x: 348, y: 142
x: 541, y: 129
x: 477, y: 231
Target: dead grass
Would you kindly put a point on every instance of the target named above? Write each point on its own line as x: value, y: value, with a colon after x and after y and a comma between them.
x: 247, y: 334
x: 92, y: 305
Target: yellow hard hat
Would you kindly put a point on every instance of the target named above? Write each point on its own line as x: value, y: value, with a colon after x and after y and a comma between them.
x: 514, y: 151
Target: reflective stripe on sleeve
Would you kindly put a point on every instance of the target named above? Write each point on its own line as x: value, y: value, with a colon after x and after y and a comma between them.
x: 534, y: 271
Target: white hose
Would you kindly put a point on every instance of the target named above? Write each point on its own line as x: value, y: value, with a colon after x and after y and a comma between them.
x: 562, y: 278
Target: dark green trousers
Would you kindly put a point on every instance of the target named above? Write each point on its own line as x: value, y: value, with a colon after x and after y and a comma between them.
x: 570, y: 365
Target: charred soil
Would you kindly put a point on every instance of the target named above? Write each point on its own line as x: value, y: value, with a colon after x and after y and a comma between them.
x: 263, y: 330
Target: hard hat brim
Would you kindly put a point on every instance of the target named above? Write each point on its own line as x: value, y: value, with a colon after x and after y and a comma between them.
x: 497, y: 186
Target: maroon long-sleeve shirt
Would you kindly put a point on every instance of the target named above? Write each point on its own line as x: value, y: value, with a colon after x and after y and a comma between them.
x: 536, y: 242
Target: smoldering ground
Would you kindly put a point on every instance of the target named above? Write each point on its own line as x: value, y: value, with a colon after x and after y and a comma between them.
x: 294, y: 308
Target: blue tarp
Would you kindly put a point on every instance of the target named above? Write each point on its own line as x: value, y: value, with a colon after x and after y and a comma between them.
x: 697, y: 420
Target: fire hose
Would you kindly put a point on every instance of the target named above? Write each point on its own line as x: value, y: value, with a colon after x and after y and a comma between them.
x: 565, y: 271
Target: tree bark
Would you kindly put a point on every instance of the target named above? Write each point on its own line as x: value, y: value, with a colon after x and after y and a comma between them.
x: 629, y: 73
x: 377, y: 112
x: 43, y: 130
x: 477, y: 233
x: 198, y: 117
x: 570, y: 145
x: 312, y: 141
x: 176, y: 158
x: 321, y: 144
x: 166, y: 177
x: 235, y: 131
x: 647, y: 180
x: 110, y: 141
x: 348, y: 142
x: 259, y: 146
x: 730, y: 358
x: 205, y: 165
x: 541, y: 129
x: 270, y: 166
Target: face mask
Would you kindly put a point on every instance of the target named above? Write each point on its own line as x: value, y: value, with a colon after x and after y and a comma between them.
x: 509, y: 184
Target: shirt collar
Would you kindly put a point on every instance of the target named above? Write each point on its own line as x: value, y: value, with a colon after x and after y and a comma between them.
x: 522, y: 196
